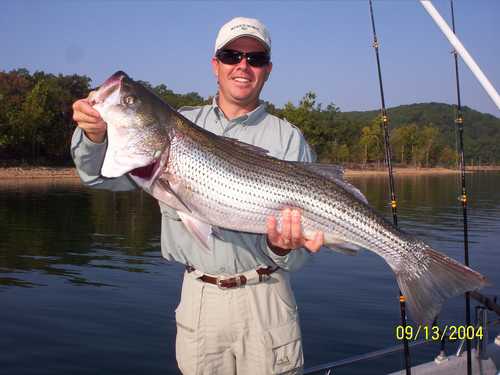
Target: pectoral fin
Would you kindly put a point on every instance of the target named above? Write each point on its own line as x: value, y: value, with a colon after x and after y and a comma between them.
x: 166, y: 187
x: 200, y: 230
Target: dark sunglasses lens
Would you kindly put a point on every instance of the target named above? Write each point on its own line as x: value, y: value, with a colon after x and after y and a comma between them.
x: 229, y: 57
x: 256, y: 59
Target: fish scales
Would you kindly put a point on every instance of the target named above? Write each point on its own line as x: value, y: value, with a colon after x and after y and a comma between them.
x: 375, y: 231
x: 294, y: 197
x: 214, y: 181
x: 237, y: 179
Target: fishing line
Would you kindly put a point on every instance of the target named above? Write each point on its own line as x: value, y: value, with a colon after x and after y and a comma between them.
x: 388, y: 159
x: 459, y: 122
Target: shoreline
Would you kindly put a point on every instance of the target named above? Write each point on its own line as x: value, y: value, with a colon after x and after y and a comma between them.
x: 70, y: 172
x: 411, y: 171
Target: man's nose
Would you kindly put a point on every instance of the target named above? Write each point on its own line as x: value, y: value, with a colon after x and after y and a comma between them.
x: 243, y: 63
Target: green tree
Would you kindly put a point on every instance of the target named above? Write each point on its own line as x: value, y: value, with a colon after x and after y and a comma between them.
x: 399, y: 142
x: 372, y: 141
x: 427, y: 139
x: 36, y: 114
x: 448, y: 157
x: 315, y: 123
x: 343, y: 153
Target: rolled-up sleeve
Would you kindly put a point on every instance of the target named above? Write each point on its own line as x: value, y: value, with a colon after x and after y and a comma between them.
x: 292, y: 261
x: 88, y: 158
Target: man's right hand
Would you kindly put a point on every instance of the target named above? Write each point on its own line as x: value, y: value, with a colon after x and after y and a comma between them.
x: 89, y: 120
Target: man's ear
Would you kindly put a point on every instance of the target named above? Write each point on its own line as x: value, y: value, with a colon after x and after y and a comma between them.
x: 268, y: 72
x: 215, y: 67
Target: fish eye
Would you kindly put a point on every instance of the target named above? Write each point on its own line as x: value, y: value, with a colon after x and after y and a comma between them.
x: 129, y: 100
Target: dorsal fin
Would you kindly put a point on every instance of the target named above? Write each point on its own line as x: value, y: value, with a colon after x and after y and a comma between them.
x: 329, y: 171
x: 334, y: 173
x: 247, y: 146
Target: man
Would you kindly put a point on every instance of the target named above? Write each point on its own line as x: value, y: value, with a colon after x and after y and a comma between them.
x: 237, y: 312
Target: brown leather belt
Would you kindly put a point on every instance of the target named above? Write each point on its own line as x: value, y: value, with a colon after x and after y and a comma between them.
x: 235, y: 281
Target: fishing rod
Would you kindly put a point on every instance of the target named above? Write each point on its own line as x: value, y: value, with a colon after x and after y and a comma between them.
x: 459, y: 122
x: 388, y: 159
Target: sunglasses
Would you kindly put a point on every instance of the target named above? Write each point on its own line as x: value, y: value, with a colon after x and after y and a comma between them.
x: 232, y: 57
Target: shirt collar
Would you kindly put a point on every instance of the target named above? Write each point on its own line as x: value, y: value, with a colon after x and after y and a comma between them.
x: 250, y: 118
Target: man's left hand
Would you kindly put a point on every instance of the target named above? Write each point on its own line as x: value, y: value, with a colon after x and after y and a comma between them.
x: 291, y: 235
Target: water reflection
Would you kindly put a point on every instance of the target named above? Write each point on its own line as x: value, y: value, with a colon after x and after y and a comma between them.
x: 86, y: 264
x: 57, y: 228
x: 49, y: 225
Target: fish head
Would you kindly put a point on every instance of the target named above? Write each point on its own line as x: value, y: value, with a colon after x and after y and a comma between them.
x: 136, y: 131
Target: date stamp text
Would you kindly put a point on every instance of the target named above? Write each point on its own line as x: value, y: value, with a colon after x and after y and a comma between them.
x: 437, y: 333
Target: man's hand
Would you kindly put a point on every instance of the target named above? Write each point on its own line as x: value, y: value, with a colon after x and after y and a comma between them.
x: 291, y: 236
x: 89, y: 120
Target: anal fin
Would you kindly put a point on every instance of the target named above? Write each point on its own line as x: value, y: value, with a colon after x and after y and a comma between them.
x: 338, y: 244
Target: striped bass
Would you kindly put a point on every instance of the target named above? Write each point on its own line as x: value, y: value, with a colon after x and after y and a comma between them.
x: 216, y: 182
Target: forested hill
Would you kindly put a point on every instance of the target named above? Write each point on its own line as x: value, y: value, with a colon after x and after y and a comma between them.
x: 481, y: 130
x: 421, y: 134
x: 36, y: 125
x: 442, y: 115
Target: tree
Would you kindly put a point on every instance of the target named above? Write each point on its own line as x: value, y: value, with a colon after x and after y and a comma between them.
x: 427, y: 138
x: 36, y: 124
x: 343, y: 153
x: 36, y: 110
x: 448, y: 157
x: 315, y: 123
x: 178, y: 100
x: 372, y: 140
x: 399, y: 141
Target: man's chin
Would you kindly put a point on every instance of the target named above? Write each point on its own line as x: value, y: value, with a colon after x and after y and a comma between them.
x: 243, y: 94
x: 245, y: 98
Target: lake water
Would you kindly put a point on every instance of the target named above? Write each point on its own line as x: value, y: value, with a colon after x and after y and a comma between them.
x: 84, y: 289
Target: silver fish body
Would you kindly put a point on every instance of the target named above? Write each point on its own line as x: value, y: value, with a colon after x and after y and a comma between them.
x: 215, y: 182
x: 238, y: 190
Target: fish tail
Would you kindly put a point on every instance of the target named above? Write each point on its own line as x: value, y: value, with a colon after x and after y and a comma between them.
x: 437, y: 279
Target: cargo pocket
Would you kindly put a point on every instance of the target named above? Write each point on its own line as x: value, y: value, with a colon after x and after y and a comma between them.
x: 285, y: 294
x: 285, y: 349
x: 187, y: 316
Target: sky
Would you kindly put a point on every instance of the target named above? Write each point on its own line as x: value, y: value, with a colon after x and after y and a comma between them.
x: 319, y: 46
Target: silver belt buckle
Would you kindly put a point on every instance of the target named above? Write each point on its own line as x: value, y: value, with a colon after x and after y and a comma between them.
x: 264, y: 277
x: 219, y: 283
x: 220, y: 280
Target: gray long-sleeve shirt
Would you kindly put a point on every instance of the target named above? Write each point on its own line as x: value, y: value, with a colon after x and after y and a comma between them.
x: 234, y: 252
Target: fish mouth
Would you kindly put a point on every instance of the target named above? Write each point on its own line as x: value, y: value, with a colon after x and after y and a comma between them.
x: 108, y: 87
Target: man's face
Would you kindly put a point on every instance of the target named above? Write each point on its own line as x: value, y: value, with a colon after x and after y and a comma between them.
x: 241, y: 84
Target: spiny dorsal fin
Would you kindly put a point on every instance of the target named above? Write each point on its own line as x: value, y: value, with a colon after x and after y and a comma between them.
x: 334, y: 173
x: 247, y: 146
x: 326, y: 170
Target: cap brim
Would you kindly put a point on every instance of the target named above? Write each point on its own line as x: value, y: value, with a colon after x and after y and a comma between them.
x: 264, y: 44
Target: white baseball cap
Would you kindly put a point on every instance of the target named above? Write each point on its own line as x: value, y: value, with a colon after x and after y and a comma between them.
x: 241, y: 26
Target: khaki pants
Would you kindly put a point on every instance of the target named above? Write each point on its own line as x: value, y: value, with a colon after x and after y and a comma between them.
x: 252, y: 329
